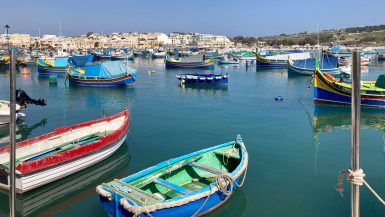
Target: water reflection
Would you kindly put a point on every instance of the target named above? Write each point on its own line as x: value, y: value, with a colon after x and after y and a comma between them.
x: 219, y: 90
x: 22, y: 131
x: 235, y: 206
x: 57, y: 196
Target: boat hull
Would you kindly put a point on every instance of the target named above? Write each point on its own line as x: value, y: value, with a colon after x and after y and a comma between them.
x: 35, y: 180
x: 325, y: 92
x: 125, y: 81
x: 310, y: 72
x: 262, y: 62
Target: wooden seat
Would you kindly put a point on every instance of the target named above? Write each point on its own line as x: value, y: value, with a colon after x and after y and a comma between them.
x: 208, y: 168
x: 172, y: 186
x: 139, y: 196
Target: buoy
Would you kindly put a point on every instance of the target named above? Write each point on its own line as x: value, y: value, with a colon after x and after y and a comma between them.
x: 52, y: 79
x: 278, y: 98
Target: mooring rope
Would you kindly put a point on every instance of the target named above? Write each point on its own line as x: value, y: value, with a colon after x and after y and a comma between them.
x: 356, y: 177
x: 307, y: 88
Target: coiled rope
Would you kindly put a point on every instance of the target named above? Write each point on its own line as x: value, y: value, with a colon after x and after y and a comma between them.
x: 355, y: 177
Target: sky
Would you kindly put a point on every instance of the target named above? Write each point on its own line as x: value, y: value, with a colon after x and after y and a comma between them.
x: 230, y: 18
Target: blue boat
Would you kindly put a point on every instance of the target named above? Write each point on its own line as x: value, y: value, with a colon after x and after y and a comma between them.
x: 190, y: 185
x: 102, y: 75
x: 203, y: 78
x: 327, y: 64
x: 196, y: 62
x: 52, y: 66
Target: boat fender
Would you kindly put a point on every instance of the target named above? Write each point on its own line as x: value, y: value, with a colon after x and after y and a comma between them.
x: 278, y: 98
x: 202, y: 78
x: 329, y: 76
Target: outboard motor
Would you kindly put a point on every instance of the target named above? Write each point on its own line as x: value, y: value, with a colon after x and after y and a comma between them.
x: 23, y: 99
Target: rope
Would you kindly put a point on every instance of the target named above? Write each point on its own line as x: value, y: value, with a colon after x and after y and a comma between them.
x: 307, y: 88
x: 203, y: 204
x: 357, y: 178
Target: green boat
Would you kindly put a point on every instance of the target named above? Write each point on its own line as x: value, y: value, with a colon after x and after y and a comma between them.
x: 193, y: 184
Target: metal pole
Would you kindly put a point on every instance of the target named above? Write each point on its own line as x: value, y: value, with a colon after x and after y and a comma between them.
x: 12, y: 94
x: 356, y: 115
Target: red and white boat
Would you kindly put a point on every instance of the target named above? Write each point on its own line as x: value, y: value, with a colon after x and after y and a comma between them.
x: 64, y: 151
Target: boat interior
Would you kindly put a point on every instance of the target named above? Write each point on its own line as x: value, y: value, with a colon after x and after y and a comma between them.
x: 181, y: 178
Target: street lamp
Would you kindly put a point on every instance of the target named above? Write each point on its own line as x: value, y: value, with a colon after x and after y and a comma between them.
x: 7, y: 37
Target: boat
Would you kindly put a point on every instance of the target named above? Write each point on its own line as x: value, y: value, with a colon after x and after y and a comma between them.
x: 328, y: 89
x: 195, y: 62
x: 213, y: 55
x: 105, y: 74
x: 229, y: 61
x: 281, y: 60
x: 22, y: 99
x: 121, y: 55
x: 64, y: 151
x: 5, y: 112
x: 327, y: 64
x: 245, y: 55
x: 55, y: 197
x: 381, y: 57
x: 159, y: 54
x: 52, y: 66
x: 203, y: 78
x: 193, y: 184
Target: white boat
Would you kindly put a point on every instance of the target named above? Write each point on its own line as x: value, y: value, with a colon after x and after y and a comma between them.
x: 64, y: 151
x: 5, y: 112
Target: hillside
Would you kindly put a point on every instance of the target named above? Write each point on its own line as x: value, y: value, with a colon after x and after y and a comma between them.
x: 355, y: 36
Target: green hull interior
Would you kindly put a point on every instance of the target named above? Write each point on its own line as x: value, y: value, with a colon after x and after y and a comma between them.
x: 188, y: 175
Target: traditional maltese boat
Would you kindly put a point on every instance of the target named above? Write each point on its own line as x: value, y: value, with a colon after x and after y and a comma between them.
x: 193, y: 184
x: 105, y: 74
x: 64, y: 151
x: 197, y: 61
x: 203, y: 78
x: 328, y: 89
x: 52, y: 66
x: 281, y: 60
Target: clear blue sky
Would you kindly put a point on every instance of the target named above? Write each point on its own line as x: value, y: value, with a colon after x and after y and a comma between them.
x: 231, y: 18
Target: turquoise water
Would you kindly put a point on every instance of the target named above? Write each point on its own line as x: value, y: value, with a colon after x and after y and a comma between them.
x: 296, y: 149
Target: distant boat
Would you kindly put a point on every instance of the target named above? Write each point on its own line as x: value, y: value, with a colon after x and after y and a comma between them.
x: 213, y: 55
x: 245, y: 55
x: 64, y: 151
x: 52, y: 66
x: 159, y: 54
x: 203, y: 78
x: 196, y: 61
x: 281, y: 60
x: 229, y: 61
x: 104, y: 74
x: 193, y: 184
x: 327, y: 64
x: 327, y: 89
x: 121, y: 55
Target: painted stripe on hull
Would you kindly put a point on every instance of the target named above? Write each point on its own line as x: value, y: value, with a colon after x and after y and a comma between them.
x: 329, y: 96
x: 38, y: 179
x: 124, y: 82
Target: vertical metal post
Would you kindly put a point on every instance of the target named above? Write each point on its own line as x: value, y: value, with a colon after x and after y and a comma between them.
x: 356, y: 115
x: 12, y: 94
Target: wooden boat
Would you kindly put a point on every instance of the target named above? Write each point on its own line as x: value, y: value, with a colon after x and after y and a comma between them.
x: 64, y: 151
x: 121, y: 55
x: 52, y: 66
x: 189, y: 62
x: 229, y: 61
x: 104, y: 74
x: 281, y: 60
x: 203, y: 78
x: 193, y: 184
x: 327, y: 89
x: 327, y: 64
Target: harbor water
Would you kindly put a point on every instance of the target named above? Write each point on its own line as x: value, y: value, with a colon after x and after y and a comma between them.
x: 296, y: 148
